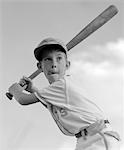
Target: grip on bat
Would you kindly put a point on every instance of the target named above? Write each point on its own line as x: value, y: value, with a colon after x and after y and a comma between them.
x: 10, y: 96
x: 32, y: 76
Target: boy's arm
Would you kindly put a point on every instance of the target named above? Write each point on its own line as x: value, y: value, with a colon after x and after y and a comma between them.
x: 23, y: 98
x: 53, y: 94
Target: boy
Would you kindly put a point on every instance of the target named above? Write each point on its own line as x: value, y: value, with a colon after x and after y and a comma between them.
x: 74, y: 114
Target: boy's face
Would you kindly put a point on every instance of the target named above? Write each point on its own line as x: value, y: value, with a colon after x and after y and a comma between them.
x: 54, y: 64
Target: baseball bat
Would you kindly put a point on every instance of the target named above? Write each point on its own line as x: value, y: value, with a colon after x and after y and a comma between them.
x: 99, y: 21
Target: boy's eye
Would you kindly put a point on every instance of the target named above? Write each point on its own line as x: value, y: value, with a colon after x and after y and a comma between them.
x: 47, y: 59
x: 59, y: 58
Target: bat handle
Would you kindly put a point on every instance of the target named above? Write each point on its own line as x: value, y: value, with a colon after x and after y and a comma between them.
x: 9, y: 95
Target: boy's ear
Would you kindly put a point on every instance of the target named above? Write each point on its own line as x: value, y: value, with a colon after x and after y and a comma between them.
x: 39, y: 66
x: 68, y: 64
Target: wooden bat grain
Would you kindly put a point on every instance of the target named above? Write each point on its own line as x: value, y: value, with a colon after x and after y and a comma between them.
x: 99, y: 21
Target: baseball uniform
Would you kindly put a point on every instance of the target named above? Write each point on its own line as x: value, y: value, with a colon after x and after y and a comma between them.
x: 73, y: 112
x: 77, y: 116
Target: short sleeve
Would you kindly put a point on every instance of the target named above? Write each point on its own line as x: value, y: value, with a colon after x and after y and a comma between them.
x: 54, y: 94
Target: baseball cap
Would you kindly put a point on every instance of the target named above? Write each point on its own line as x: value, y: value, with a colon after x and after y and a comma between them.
x: 49, y: 43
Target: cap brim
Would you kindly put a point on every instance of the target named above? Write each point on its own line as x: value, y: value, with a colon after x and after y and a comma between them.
x: 38, y: 52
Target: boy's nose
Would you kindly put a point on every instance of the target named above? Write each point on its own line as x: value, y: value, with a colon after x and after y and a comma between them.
x: 54, y: 64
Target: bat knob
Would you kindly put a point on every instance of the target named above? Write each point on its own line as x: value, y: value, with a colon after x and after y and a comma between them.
x: 10, y: 96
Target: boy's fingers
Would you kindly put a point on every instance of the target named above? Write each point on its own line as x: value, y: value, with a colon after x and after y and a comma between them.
x: 25, y: 86
x: 27, y: 79
x: 22, y: 82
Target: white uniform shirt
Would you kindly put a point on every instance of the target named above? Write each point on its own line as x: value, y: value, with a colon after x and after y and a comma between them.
x: 69, y: 108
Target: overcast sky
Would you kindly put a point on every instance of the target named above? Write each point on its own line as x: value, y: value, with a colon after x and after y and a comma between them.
x: 96, y: 65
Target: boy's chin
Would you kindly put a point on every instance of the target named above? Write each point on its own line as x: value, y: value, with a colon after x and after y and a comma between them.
x: 54, y: 78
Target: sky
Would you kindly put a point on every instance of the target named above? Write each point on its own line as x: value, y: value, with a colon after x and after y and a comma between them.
x: 97, y: 66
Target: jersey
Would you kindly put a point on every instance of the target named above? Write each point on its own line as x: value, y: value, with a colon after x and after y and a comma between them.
x: 68, y: 107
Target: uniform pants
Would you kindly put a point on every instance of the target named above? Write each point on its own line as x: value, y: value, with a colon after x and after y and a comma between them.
x: 96, y: 142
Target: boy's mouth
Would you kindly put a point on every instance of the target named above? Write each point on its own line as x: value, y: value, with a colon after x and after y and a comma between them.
x: 52, y: 73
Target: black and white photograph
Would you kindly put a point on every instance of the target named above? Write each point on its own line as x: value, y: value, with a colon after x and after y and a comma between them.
x: 61, y: 74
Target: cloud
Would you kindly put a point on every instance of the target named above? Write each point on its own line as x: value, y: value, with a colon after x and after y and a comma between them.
x: 99, y: 59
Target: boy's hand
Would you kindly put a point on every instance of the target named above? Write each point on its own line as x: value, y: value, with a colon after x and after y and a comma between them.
x: 27, y: 84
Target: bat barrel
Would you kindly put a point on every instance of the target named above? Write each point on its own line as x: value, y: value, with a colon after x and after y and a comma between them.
x: 99, y: 21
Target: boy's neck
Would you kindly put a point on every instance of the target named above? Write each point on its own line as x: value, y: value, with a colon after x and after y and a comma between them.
x: 58, y: 79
